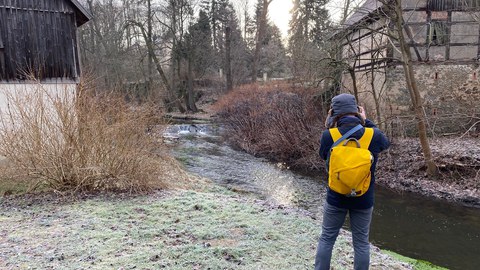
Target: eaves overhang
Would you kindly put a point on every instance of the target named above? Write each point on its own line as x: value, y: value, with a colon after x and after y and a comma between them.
x: 83, y: 15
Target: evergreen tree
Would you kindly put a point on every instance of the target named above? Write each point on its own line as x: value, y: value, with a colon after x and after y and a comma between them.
x: 309, y: 21
x: 307, y: 38
x: 217, y: 14
x: 240, y: 53
x: 261, y: 19
x: 273, y: 55
x: 221, y: 15
x: 201, y: 46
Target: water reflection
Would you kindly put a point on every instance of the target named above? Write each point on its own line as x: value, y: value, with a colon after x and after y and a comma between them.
x: 432, y: 230
x: 211, y: 157
x: 439, y: 232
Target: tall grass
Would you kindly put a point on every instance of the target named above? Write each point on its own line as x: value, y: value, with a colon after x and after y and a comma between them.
x: 75, y: 141
x: 283, y: 123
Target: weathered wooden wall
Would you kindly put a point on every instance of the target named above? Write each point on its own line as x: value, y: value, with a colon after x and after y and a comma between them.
x: 39, y: 37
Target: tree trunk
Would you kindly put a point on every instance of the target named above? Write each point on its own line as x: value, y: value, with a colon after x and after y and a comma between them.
x: 261, y: 28
x: 432, y: 169
x: 246, y: 20
x: 376, y: 96
x: 214, y: 24
x: 228, y: 58
x: 376, y: 100
x: 190, y: 93
x: 156, y: 61
x: 176, y: 84
x: 354, y: 82
x: 150, y: 37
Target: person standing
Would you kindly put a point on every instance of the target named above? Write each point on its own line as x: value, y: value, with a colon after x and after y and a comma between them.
x: 345, y: 114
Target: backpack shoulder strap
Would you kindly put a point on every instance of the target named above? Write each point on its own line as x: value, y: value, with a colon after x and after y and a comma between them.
x: 335, y: 134
x: 338, y: 137
x: 366, y: 138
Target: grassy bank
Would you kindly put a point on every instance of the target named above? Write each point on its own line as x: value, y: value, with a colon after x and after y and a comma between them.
x: 213, y: 229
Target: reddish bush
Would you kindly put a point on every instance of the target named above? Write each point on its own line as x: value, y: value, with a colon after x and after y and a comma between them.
x: 282, y: 123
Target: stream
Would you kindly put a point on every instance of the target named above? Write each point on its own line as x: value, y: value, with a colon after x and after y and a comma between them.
x: 442, y: 233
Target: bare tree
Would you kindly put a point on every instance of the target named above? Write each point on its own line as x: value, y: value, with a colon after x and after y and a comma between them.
x: 151, y: 53
x: 415, y: 97
x: 139, y: 46
x: 149, y: 37
x: 392, y: 12
x: 102, y: 41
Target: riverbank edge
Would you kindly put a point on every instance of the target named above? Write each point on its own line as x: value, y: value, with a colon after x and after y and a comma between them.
x: 402, y: 169
x: 417, y: 264
x: 407, y: 177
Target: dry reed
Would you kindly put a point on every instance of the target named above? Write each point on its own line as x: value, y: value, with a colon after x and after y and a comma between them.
x: 72, y: 141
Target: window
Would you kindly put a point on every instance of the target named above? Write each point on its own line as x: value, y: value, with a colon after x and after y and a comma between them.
x: 466, y: 4
x: 2, y: 58
x: 439, y: 5
x: 438, y: 33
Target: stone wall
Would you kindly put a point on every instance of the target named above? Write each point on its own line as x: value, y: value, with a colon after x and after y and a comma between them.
x: 366, y: 92
x: 445, y: 89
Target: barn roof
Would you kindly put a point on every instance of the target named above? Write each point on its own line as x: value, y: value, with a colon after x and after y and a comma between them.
x: 83, y: 15
x: 368, y: 7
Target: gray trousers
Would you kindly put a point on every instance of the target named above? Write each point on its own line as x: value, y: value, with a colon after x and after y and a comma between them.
x: 333, y: 219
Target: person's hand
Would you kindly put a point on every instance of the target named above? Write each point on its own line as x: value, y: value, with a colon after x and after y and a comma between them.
x: 329, y: 114
x: 362, y: 113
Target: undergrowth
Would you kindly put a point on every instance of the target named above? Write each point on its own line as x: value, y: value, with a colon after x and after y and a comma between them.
x: 282, y: 123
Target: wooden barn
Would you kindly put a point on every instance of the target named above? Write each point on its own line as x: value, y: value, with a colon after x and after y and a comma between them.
x: 39, y: 38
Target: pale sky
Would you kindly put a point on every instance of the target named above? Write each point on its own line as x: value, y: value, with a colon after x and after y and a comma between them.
x: 279, y: 12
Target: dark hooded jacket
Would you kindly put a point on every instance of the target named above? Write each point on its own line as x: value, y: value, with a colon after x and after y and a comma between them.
x: 378, y: 144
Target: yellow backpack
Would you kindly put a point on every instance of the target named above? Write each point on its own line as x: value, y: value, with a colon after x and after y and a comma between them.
x: 349, y: 162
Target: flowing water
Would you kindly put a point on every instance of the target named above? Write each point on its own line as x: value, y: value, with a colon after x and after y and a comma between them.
x: 442, y: 233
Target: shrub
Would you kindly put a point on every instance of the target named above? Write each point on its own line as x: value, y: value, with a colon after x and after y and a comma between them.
x: 282, y: 123
x: 71, y: 140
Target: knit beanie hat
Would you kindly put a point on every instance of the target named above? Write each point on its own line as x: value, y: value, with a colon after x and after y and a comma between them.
x: 344, y: 103
x: 341, y: 104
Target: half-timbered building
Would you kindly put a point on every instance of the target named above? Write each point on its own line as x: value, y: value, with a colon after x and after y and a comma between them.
x: 444, y: 39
